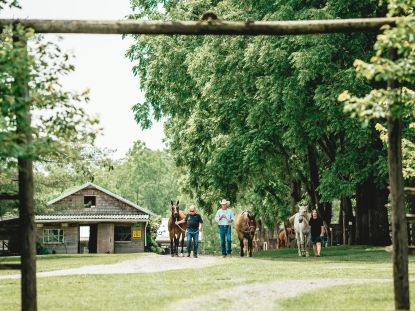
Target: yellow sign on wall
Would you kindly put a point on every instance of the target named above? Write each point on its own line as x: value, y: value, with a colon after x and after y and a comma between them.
x: 136, y: 234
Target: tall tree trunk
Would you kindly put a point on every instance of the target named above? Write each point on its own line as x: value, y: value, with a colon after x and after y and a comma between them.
x: 26, y: 201
x: 362, y: 214
x: 347, y: 221
x: 325, y: 209
x: 313, y: 172
x: 399, y: 229
x: 372, y: 225
x: 295, y: 195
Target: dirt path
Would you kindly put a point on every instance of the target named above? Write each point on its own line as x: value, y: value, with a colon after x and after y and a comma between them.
x: 144, y: 264
x: 259, y: 296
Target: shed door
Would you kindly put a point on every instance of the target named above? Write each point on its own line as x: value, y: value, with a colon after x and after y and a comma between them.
x: 105, y: 243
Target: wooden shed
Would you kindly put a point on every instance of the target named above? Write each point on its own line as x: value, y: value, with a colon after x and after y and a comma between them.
x: 89, y: 219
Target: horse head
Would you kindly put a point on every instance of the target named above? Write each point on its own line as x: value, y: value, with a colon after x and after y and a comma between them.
x: 174, y: 210
x: 251, y: 223
x: 302, y: 213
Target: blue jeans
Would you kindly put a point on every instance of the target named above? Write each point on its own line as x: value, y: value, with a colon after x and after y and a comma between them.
x: 195, y: 236
x: 225, y: 234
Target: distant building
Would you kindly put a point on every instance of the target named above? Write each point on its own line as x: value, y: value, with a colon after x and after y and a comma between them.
x: 115, y: 225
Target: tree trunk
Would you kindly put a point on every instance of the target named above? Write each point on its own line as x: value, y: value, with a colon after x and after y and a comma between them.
x: 399, y: 228
x: 295, y: 195
x: 26, y: 201
x: 325, y: 209
x: 372, y: 225
x: 362, y: 214
x: 314, y: 179
x: 348, y: 221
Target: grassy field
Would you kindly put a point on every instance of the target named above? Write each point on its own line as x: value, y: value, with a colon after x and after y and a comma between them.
x: 156, y: 291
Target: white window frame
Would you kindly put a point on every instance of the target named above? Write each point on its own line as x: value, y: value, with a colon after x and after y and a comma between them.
x: 50, y: 238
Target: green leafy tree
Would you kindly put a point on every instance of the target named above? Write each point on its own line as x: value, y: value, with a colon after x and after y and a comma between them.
x: 257, y: 120
x: 58, y: 117
x: 145, y: 177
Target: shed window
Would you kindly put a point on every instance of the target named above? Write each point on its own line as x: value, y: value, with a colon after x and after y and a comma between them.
x: 90, y: 201
x: 122, y: 233
x: 53, y: 236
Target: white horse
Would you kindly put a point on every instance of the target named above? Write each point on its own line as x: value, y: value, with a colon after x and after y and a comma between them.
x: 302, y: 230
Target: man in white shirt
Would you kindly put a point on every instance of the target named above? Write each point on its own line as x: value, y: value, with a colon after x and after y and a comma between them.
x: 224, y: 217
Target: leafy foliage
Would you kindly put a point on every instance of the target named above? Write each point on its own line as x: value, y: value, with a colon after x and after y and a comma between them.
x: 57, y: 118
x: 398, y: 102
x: 31, y: 69
x: 244, y: 114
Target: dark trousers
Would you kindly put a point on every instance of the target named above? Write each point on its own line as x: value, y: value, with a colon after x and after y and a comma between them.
x: 195, y: 236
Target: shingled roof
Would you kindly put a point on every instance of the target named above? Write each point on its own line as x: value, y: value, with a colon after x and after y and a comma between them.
x: 80, y: 213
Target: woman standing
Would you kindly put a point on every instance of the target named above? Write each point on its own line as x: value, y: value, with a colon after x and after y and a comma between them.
x: 317, y: 231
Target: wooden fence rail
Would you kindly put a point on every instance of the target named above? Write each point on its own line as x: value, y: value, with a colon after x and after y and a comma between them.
x: 204, y: 27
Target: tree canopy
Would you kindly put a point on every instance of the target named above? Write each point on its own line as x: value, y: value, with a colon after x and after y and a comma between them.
x: 256, y: 119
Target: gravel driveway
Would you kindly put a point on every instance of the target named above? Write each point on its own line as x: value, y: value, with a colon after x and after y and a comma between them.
x: 262, y: 296
x: 144, y: 264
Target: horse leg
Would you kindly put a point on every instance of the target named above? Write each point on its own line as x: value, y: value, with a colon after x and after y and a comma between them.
x: 241, y: 243
x: 250, y: 247
x: 171, y: 247
x: 176, y: 246
x: 182, y: 244
x: 302, y: 244
x: 297, y: 236
x: 306, y: 245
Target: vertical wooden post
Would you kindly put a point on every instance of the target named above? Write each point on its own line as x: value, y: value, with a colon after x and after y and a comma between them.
x: 26, y: 202
x: 399, y: 230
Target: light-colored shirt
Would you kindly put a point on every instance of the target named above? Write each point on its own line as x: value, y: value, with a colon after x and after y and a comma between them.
x: 227, y: 219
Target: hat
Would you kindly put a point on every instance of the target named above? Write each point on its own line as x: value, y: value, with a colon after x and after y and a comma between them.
x: 224, y: 201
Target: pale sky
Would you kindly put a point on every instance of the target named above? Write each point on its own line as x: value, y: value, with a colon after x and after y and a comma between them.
x: 100, y: 66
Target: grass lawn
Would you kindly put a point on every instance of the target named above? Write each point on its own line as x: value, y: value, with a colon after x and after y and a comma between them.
x: 155, y: 291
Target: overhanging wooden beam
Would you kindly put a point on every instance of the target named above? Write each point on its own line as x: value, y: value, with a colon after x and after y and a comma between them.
x: 210, y: 27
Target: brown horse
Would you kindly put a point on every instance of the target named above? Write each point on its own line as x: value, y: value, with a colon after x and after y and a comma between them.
x: 245, y: 226
x: 285, y: 236
x: 176, y: 232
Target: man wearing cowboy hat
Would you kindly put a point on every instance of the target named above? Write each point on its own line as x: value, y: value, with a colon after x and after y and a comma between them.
x: 224, y: 217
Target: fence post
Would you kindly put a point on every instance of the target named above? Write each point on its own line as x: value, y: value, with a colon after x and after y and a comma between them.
x: 399, y: 229
x: 25, y: 167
